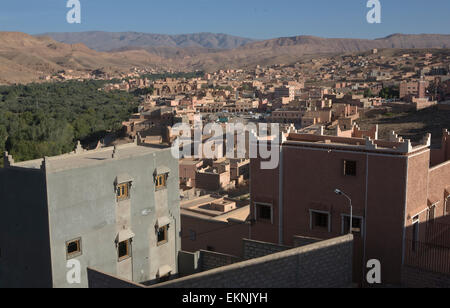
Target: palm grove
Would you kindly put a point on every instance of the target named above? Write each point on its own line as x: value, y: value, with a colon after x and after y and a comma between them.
x: 38, y: 120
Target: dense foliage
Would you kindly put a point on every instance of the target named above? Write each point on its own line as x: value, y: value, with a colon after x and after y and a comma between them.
x: 39, y: 120
x: 390, y: 92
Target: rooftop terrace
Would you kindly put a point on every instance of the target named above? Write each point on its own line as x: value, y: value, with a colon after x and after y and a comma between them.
x: 81, y: 158
x: 215, y: 208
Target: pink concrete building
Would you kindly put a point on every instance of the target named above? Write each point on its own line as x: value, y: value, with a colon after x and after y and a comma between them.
x: 397, y: 190
x: 188, y: 171
x: 413, y: 89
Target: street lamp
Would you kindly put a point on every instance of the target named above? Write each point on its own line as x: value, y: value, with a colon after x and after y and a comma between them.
x: 341, y: 193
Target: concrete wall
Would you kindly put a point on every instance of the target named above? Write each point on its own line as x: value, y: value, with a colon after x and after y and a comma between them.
x: 209, y: 260
x: 101, y: 280
x: 309, y: 178
x: 188, y: 263
x: 300, y: 241
x: 212, y: 181
x: 264, y: 188
x: 439, y: 190
x: 257, y: 249
x: 384, y: 215
x: 210, y: 233
x: 324, y: 264
x: 320, y: 265
x: 82, y: 203
x: 74, y: 197
x: 24, y: 236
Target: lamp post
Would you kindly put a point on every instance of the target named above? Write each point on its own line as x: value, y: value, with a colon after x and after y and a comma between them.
x: 341, y: 193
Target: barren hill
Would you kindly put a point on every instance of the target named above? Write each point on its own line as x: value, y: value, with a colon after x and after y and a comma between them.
x: 24, y: 58
x: 109, y: 41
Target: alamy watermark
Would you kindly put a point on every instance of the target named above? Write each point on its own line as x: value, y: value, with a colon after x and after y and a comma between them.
x: 374, y: 273
x: 374, y: 15
x: 74, y: 14
x: 73, y: 275
x: 252, y: 141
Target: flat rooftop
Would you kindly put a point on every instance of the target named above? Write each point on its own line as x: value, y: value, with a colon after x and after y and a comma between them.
x: 395, y: 145
x: 81, y: 158
x: 206, y: 207
x: 190, y: 161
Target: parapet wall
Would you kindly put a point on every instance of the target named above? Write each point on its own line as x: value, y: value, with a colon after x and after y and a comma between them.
x: 256, y: 249
x: 300, y: 241
x: 210, y: 260
x: 100, y: 280
x: 324, y: 264
x: 441, y: 155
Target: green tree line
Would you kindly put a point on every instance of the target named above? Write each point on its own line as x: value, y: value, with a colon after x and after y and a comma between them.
x: 38, y: 120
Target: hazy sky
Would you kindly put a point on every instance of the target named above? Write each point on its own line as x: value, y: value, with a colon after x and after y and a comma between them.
x: 257, y: 19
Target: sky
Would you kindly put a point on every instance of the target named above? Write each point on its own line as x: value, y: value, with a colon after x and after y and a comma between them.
x: 257, y: 19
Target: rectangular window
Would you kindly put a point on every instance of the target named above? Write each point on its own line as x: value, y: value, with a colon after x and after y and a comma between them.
x: 263, y: 212
x: 431, y: 213
x: 162, y: 235
x: 192, y: 235
x: 320, y: 220
x: 160, y: 181
x: 349, y: 168
x: 73, y: 248
x: 357, y: 223
x: 123, y: 191
x: 124, y: 250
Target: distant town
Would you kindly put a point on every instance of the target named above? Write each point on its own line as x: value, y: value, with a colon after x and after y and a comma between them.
x: 363, y: 175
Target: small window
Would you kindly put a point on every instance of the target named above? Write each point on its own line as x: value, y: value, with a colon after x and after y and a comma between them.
x: 349, y: 167
x: 162, y: 235
x: 320, y: 220
x: 264, y: 212
x: 192, y: 235
x: 124, y: 250
x: 356, y: 222
x: 161, y: 181
x: 73, y: 248
x: 123, y: 191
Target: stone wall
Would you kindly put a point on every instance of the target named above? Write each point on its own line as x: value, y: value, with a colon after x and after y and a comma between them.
x: 320, y: 265
x: 211, y: 260
x: 188, y: 263
x: 326, y: 264
x: 256, y: 249
x: 99, y: 280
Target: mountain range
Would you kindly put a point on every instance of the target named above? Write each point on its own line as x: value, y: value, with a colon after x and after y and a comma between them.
x: 110, y: 41
x: 24, y: 58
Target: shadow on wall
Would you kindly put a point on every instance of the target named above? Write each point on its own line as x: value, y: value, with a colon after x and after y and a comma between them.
x: 427, y: 252
x: 324, y: 264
